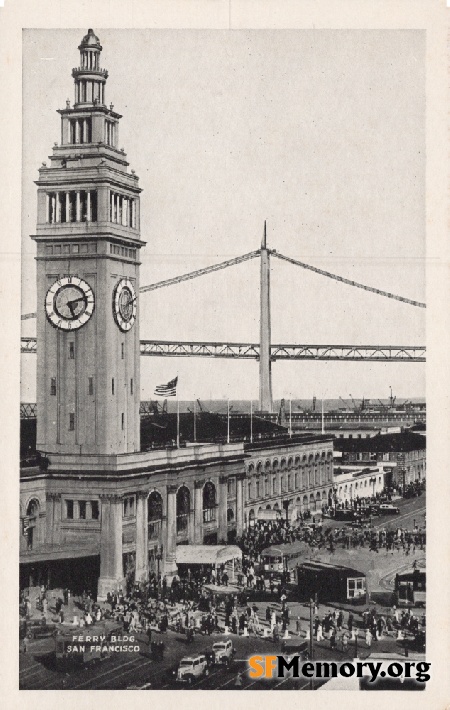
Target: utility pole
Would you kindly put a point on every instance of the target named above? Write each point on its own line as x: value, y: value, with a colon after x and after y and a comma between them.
x: 311, y: 638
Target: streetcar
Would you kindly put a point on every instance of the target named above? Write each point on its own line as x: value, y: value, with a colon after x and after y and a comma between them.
x: 410, y: 587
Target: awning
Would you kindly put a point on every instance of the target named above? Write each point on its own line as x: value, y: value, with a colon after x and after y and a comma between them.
x: 269, y: 515
x: 207, y: 554
x: 51, y: 553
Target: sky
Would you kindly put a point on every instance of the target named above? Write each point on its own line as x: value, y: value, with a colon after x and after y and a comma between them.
x: 319, y: 132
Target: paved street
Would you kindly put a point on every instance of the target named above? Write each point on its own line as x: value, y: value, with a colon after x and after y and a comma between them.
x: 122, y: 670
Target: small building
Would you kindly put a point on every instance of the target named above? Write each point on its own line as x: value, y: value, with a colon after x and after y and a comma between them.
x: 353, y: 483
x: 402, y: 456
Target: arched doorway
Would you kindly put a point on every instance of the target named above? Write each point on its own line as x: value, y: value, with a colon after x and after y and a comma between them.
x: 183, y: 507
x: 155, y: 514
x: 32, y: 521
x: 209, y: 502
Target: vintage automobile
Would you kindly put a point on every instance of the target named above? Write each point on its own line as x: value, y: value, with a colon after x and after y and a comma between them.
x: 40, y: 629
x: 389, y: 509
x: 224, y: 652
x: 192, y: 668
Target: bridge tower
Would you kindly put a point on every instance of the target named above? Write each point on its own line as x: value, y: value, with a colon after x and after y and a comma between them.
x: 265, y: 364
x: 88, y: 244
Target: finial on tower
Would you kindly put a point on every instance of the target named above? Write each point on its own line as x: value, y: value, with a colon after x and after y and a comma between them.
x: 264, y: 239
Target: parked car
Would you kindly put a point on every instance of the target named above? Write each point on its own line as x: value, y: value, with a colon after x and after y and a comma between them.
x: 192, y: 668
x: 224, y: 652
x: 40, y: 629
x: 388, y: 508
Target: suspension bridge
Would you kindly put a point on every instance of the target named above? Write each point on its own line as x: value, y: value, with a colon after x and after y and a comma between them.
x: 265, y: 351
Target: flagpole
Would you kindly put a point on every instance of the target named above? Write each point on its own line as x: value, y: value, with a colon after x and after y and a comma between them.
x: 228, y: 421
x: 178, y: 421
x: 251, y: 421
x: 195, y: 416
x: 290, y: 418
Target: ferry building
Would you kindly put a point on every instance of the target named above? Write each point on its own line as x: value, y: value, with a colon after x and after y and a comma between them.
x: 97, y: 506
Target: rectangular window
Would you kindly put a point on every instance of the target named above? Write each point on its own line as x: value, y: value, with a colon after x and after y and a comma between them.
x: 82, y: 509
x: 123, y: 421
x: 95, y: 510
x: 93, y: 248
x: 53, y: 386
x: 131, y: 386
x: 71, y: 421
x: 122, y: 349
x: 91, y: 385
x: 66, y: 248
x: 57, y: 248
x: 69, y: 509
x: 112, y: 386
x: 71, y: 350
x: 75, y: 248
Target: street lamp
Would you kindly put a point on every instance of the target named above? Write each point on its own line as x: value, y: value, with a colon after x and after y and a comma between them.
x: 158, y: 555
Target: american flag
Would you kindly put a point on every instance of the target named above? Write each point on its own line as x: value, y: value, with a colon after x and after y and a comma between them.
x: 168, y: 390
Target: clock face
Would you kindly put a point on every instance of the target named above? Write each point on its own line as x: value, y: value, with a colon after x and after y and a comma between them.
x: 124, y: 304
x: 69, y: 303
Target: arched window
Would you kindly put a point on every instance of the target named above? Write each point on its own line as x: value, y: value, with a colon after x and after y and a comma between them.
x: 183, y: 506
x: 209, y: 502
x: 258, y: 487
x: 155, y: 513
x: 289, y: 482
x: 230, y: 515
x: 32, y: 512
x: 266, y: 486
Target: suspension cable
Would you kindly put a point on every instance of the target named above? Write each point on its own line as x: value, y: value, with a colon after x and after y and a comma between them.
x: 348, y: 281
x: 200, y: 272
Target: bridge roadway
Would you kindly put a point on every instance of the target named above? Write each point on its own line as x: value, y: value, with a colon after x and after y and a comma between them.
x: 250, y: 351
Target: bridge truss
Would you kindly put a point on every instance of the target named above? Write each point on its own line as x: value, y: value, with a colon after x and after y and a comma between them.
x: 250, y: 351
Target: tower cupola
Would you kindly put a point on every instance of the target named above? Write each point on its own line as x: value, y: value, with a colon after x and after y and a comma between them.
x: 90, y: 78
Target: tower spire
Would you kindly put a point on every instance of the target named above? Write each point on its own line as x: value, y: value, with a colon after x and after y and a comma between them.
x: 264, y: 239
x: 265, y: 374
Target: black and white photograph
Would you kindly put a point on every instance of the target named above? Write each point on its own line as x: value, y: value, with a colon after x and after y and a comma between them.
x: 223, y: 346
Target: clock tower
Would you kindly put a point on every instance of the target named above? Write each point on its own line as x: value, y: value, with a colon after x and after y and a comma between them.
x: 88, y: 244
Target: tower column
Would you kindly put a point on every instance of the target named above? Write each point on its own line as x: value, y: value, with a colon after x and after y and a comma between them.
x: 111, y: 562
x: 265, y: 365
x: 77, y: 131
x: 53, y: 518
x: 240, y: 504
x: 222, y: 532
x: 78, y: 206
x: 58, y: 207
x: 170, y: 551
x: 141, y: 538
x: 67, y: 207
x: 88, y: 206
x: 198, y: 512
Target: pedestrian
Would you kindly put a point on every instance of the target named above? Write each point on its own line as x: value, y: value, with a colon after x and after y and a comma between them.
x: 368, y: 638
x: 298, y: 626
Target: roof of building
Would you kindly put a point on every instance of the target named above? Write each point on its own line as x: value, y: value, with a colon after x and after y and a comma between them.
x: 207, y: 554
x: 383, y: 443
